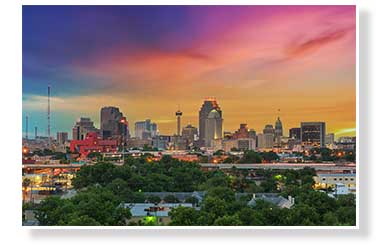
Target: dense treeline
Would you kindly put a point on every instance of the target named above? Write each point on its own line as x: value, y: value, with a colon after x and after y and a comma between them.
x: 103, y: 187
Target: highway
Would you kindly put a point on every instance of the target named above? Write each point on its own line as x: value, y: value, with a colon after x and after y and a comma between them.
x: 316, y: 166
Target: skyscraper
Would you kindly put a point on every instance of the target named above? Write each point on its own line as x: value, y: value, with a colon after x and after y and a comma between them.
x: 145, y: 129
x: 295, y: 133
x: 278, y: 130
x: 61, y: 137
x: 82, y: 126
x: 213, y: 127
x: 209, y: 105
x: 268, y: 136
x: 113, y: 124
x: 313, y: 134
x: 190, y: 133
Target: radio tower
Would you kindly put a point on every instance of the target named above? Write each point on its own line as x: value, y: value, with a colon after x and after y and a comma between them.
x: 48, y: 113
x: 26, y: 127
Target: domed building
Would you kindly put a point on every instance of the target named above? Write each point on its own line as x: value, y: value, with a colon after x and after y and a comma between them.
x: 278, y: 130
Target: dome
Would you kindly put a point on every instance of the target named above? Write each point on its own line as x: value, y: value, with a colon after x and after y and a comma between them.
x: 213, y: 114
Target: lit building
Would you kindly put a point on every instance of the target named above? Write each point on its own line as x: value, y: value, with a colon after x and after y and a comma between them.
x: 313, y: 134
x: 242, y: 132
x: 213, y: 127
x: 138, y: 143
x: 326, y: 180
x: 145, y: 129
x: 113, y: 124
x: 330, y: 139
x: 278, y: 131
x: 266, y: 140
x: 246, y: 144
x: 161, y: 142
x: 61, y: 137
x: 190, y: 133
x: 92, y: 143
x: 82, y: 127
x: 295, y: 133
x: 209, y: 105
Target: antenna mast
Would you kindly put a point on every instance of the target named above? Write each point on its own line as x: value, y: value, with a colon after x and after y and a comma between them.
x: 48, y: 114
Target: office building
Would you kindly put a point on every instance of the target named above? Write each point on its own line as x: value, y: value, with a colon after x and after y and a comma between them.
x: 295, y: 133
x: 210, y: 104
x: 61, y: 137
x: 313, y: 134
x: 213, y: 127
x: 145, y: 129
x: 113, y: 124
x: 190, y: 133
x: 83, y: 126
x: 330, y: 139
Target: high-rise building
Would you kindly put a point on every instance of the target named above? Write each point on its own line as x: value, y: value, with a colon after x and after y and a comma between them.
x: 113, y: 124
x: 278, y: 130
x: 161, y: 142
x: 210, y: 104
x: 313, y: 134
x: 83, y: 126
x: 242, y: 132
x: 190, y: 133
x: 213, y: 127
x: 295, y: 133
x: 62, y: 137
x: 330, y: 139
x: 268, y: 137
x: 145, y: 129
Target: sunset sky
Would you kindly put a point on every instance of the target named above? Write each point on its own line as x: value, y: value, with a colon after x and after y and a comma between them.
x: 148, y: 60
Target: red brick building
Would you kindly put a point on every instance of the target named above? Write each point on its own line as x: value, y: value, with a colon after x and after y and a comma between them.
x: 92, y: 143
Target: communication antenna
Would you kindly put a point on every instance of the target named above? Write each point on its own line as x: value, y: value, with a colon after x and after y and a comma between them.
x: 26, y: 127
x: 48, y: 113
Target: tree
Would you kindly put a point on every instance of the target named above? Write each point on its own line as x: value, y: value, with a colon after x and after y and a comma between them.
x: 228, y: 221
x: 269, y: 156
x: 223, y: 193
x: 153, y: 199
x: 26, y: 182
x: 250, y: 157
x: 183, y: 216
x: 194, y: 201
x: 83, y: 220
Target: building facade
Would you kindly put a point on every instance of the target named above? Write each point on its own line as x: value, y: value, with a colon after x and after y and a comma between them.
x: 208, y: 105
x: 92, y: 143
x: 145, y: 129
x: 313, y: 134
x: 213, y: 127
x: 61, y: 137
x: 113, y: 124
x: 82, y: 127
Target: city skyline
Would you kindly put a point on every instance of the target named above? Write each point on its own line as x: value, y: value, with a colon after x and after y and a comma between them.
x: 246, y: 57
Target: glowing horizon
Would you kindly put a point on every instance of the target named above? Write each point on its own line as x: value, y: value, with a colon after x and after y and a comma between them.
x: 147, y: 60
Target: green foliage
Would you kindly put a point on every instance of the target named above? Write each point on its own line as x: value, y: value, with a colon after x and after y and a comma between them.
x: 95, y: 206
x: 184, y: 216
x: 228, y: 221
x: 250, y: 157
x: 153, y: 199
x: 269, y: 156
